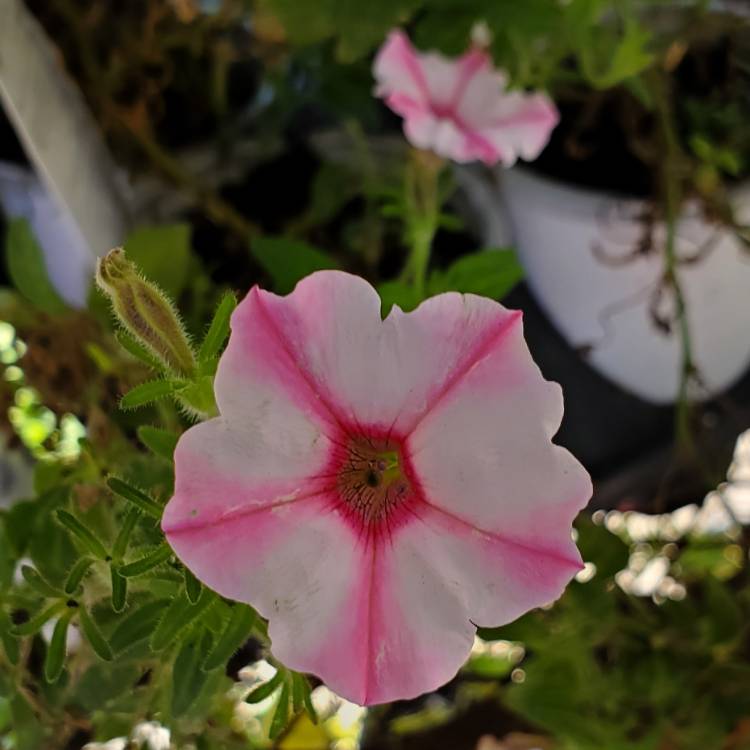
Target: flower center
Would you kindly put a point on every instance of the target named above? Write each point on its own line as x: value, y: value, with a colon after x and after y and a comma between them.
x: 371, y: 481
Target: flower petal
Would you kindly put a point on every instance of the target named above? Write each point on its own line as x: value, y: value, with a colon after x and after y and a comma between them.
x: 298, y: 564
x: 422, y: 595
x: 377, y: 372
x: 483, y: 451
x: 228, y: 467
x: 519, y: 125
x: 399, y: 75
x: 259, y: 380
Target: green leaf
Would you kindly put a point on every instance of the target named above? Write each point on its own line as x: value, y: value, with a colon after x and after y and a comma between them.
x: 148, y: 562
x: 150, y: 391
x: 178, y: 616
x: 119, y: 590
x: 94, y: 636
x: 123, y: 535
x: 359, y: 27
x: 193, y: 586
x: 27, y: 268
x: 490, y: 273
x: 55, y: 658
x: 38, y: 583
x: 34, y: 624
x: 187, y: 678
x: 236, y: 632
x: 397, y: 293
x: 281, y: 714
x: 137, y: 625
x: 140, y: 499
x: 307, y: 700
x: 160, y: 442
x: 607, y: 61
x: 100, y: 684
x: 82, y: 534
x: 28, y: 732
x: 10, y: 644
x: 267, y: 688
x: 287, y: 261
x: 162, y: 254
x: 77, y: 572
x: 135, y: 349
x: 725, y: 613
x: 299, y: 685
x: 600, y: 546
x: 218, y: 330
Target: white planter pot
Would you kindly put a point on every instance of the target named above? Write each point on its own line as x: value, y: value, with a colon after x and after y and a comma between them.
x: 580, y: 251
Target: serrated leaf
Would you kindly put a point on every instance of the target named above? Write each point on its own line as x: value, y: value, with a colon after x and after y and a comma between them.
x: 160, y: 442
x: 35, y: 580
x: 287, y: 261
x: 148, y: 562
x: 267, y: 688
x: 281, y: 714
x: 236, y: 632
x: 82, y: 534
x: 93, y: 635
x: 137, y: 625
x: 123, y: 535
x: 193, y: 586
x: 139, y: 498
x: 77, y: 572
x: 180, y: 614
x: 218, y: 330
x: 119, y: 590
x: 28, y: 270
x: 34, y: 623
x: 150, y: 391
x: 55, y: 659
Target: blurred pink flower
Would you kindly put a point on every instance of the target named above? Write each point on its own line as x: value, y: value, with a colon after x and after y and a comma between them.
x: 460, y: 109
x: 376, y: 488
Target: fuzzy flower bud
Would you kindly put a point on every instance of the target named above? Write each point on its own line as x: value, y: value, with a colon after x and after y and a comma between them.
x: 145, y: 311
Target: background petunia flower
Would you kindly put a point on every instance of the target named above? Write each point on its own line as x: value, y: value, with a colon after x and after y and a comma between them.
x: 376, y: 488
x: 460, y: 108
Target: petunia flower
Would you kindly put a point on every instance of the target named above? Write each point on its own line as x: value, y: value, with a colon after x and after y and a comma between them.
x: 460, y: 109
x: 377, y: 488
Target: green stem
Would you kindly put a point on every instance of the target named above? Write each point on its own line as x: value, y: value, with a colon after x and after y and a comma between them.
x: 422, y: 202
x: 671, y: 193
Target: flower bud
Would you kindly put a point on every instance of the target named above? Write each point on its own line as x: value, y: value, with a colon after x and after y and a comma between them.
x: 145, y: 311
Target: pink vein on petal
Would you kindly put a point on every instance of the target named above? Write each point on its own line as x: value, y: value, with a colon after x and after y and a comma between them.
x: 242, y: 512
x: 482, y: 350
x: 313, y: 387
x: 508, y: 541
x: 368, y: 626
x: 412, y: 65
x: 468, y: 66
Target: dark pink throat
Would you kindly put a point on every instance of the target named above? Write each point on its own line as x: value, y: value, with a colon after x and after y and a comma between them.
x: 372, y: 483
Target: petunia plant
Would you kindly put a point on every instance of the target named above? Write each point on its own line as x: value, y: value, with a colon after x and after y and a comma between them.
x: 270, y: 497
x: 364, y: 486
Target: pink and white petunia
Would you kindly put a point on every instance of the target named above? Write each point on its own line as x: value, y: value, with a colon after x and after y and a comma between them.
x: 461, y: 109
x: 378, y: 488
